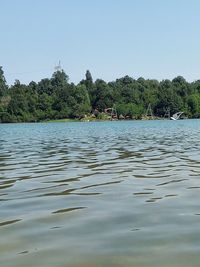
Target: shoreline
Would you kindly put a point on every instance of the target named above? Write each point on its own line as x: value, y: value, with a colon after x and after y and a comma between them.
x: 89, y: 119
x: 108, y: 120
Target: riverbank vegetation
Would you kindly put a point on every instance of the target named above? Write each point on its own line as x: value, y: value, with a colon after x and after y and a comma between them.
x: 56, y: 98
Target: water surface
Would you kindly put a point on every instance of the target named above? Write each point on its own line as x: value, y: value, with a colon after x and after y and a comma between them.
x: 100, y: 194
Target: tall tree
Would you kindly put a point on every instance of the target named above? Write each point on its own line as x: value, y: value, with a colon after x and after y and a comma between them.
x: 3, y: 85
x: 88, y: 77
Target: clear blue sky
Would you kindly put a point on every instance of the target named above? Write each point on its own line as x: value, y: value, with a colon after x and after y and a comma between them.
x: 149, y: 38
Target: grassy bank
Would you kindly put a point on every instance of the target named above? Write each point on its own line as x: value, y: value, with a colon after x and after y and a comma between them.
x: 61, y: 120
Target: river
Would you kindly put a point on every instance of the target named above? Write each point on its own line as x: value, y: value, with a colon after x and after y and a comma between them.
x: 100, y: 194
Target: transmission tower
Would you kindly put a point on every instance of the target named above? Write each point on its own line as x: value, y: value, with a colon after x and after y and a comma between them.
x: 58, y: 67
x: 149, y: 111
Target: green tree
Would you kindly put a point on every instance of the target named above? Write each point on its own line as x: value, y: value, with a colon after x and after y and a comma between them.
x: 57, y: 98
x: 3, y: 85
x: 44, y: 87
x: 59, y: 79
x: 102, y: 95
x: 82, y: 105
x: 89, y: 80
x: 193, y: 102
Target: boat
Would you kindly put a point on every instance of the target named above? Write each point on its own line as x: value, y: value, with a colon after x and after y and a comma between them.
x: 176, y: 116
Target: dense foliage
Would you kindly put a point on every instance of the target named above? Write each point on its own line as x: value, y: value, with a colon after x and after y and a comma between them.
x: 56, y: 98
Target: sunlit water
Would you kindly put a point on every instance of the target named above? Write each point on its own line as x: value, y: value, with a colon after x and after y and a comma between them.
x: 100, y: 194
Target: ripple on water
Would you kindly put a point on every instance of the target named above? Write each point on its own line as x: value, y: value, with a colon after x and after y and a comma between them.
x: 113, y: 193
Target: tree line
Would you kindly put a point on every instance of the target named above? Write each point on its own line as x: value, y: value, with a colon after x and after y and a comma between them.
x: 57, y: 98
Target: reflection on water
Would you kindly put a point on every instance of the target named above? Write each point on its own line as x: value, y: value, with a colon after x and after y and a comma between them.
x: 100, y: 194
